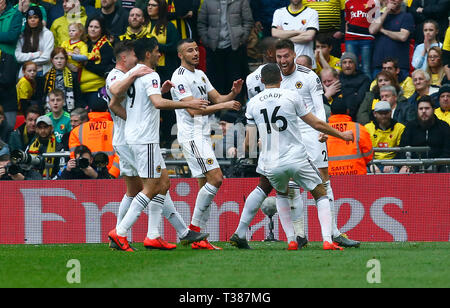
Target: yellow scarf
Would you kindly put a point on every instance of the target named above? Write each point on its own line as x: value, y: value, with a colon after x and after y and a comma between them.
x: 35, y: 149
x: 133, y: 36
x: 95, y: 55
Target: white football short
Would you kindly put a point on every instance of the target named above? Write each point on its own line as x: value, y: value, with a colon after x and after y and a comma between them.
x: 317, y: 151
x: 147, y: 160
x: 303, y: 172
x: 200, y: 157
x: 126, y: 159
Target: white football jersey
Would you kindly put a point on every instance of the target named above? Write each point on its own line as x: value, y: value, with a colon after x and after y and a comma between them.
x: 275, y: 112
x: 305, y: 20
x: 119, y: 123
x: 142, y: 124
x: 254, y: 83
x: 309, y: 86
x: 197, y: 85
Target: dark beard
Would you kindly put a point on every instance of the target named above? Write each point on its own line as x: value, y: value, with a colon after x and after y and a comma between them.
x: 428, y: 123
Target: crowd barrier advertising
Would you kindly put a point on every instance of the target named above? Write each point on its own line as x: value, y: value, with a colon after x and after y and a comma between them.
x: 370, y: 208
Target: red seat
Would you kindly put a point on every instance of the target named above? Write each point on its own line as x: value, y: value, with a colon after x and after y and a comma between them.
x: 20, y: 119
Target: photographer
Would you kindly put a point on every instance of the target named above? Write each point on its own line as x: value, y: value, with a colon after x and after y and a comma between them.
x: 83, y: 166
x: 12, y: 172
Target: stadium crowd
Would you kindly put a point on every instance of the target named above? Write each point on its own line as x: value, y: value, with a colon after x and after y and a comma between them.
x: 383, y: 65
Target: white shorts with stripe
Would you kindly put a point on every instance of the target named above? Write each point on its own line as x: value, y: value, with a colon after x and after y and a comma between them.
x: 126, y: 160
x: 317, y: 151
x: 200, y: 157
x: 147, y: 160
x: 304, y: 173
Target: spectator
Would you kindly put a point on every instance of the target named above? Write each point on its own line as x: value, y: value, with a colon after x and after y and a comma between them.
x: 358, y: 39
x: 26, y: 5
x: 392, y: 31
x: 435, y: 67
x: 405, y: 81
x: 10, y: 172
x: 115, y: 17
x: 35, y: 44
x: 348, y: 157
x: 78, y: 116
x: 446, y: 53
x: 26, y: 87
x: 59, y: 117
x: 262, y: 12
x: 354, y: 84
x: 324, y: 59
x: 180, y: 14
x: 298, y: 24
x: 135, y: 29
x: 60, y: 77
x: 96, y: 134
x: 430, y: 9
x: 402, y: 111
x: 372, y: 97
x: 331, y: 21
x: 331, y: 89
x: 5, y: 130
x: 430, y: 32
x: 224, y: 28
x: 384, y: 132
x: 10, y: 30
x: 45, y: 142
x: 75, y: 45
x: 443, y: 112
x: 22, y: 136
x: 167, y: 36
x: 427, y: 130
x: 422, y: 85
x: 81, y: 167
x: 56, y: 10
x: 100, y: 60
x: 73, y: 12
x: 305, y: 61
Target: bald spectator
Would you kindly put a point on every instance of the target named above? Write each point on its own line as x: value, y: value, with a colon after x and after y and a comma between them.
x: 136, y: 28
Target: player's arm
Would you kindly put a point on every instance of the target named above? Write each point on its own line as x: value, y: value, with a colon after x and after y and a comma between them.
x: 323, y: 127
x: 167, y: 104
x: 116, y: 107
x: 215, y: 97
x: 118, y: 88
x: 213, y: 108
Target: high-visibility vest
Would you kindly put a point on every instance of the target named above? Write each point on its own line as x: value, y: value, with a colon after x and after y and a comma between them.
x: 115, y: 167
x: 348, y: 157
x: 96, y: 134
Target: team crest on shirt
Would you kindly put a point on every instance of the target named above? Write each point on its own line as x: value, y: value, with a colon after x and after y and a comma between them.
x: 210, y: 161
x: 298, y: 84
x: 155, y: 83
x: 203, y: 79
x: 303, y: 21
x: 62, y: 126
x: 158, y: 169
x: 181, y: 89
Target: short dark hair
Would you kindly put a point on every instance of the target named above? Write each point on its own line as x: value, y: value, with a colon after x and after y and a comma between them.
x: 425, y: 99
x: 142, y: 45
x: 123, y: 46
x: 184, y: 41
x: 32, y: 109
x: 324, y: 38
x: 390, y: 59
x: 282, y: 44
x: 81, y: 149
x: 57, y: 92
x: 270, y: 74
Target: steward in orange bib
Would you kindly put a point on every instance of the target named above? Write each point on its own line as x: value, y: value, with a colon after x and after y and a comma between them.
x: 96, y: 134
x: 348, y: 157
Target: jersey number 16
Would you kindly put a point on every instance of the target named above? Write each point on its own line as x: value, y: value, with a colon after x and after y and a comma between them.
x: 273, y: 119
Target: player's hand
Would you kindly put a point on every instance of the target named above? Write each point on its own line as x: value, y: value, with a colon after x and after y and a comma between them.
x: 347, y: 135
x: 237, y: 86
x: 233, y: 105
x: 323, y: 137
x: 198, y: 104
x: 167, y: 85
x: 142, y: 71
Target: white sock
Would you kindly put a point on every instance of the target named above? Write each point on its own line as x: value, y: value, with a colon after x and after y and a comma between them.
x: 297, y: 208
x: 204, y: 198
x: 284, y: 214
x: 335, y: 230
x: 123, y: 208
x: 155, y: 209
x: 139, y: 203
x: 324, y: 213
x: 170, y: 213
x: 251, y: 207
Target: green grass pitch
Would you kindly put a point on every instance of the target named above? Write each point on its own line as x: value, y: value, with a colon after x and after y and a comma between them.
x: 267, y: 265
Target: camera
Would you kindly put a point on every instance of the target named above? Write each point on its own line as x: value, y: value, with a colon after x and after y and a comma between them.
x: 12, y: 169
x: 24, y: 158
x: 82, y: 163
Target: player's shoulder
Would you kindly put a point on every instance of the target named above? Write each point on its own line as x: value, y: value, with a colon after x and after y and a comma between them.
x: 114, y: 74
x: 303, y: 69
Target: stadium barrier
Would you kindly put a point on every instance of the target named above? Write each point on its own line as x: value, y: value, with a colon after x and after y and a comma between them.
x: 387, y: 208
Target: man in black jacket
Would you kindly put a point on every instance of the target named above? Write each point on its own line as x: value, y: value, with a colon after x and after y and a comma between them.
x: 81, y: 167
x: 427, y: 130
x: 116, y: 18
x: 354, y: 84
